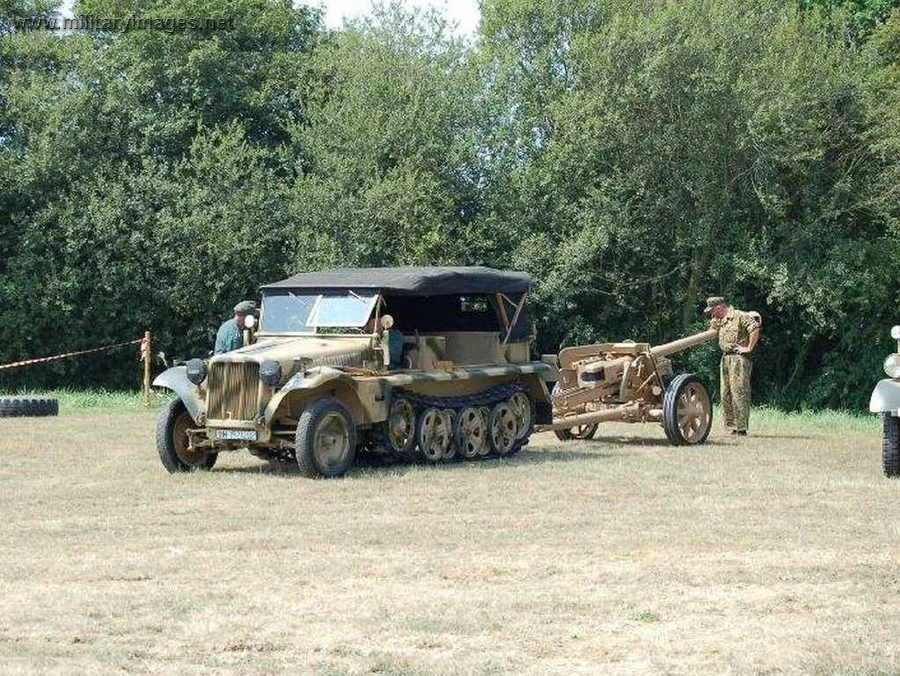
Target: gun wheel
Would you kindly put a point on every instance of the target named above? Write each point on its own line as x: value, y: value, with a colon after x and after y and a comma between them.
x: 503, y: 428
x: 687, y: 411
x: 471, y: 432
x: 433, y: 434
x: 577, y: 432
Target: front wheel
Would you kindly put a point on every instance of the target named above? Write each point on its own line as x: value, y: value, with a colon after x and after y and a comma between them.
x: 890, y: 445
x: 687, y: 411
x: 172, y: 441
x: 326, y: 439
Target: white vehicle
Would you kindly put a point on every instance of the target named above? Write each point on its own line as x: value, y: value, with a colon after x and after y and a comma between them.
x: 886, y: 401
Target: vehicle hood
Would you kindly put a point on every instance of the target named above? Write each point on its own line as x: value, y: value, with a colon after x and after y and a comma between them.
x: 308, y: 350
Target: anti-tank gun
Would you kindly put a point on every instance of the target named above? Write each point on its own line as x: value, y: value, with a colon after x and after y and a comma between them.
x: 630, y: 382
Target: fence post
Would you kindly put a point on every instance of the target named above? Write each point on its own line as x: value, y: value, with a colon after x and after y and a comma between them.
x: 145, y: 348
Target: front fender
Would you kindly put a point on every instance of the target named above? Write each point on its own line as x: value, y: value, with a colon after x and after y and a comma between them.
x: 175, y: 379
x: 885, y: 397
x: 310, y: 380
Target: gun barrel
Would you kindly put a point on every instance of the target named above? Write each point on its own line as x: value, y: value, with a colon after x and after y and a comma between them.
x: 666, y: 349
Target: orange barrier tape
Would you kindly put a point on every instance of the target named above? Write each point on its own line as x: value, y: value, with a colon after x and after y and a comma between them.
x: 41, y: 360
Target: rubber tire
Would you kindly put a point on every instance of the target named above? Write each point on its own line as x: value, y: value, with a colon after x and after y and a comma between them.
x: 304, y: 441
x: 890, y: 445
x: 28, y: 407
x: 670, y: 409
x: 566, y: 435
x: 165, y: 444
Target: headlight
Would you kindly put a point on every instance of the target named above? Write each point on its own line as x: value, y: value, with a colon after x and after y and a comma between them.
x: 892, y: 366
x: 270, y: 373
x: 196, y: 370
x: 895, y: 332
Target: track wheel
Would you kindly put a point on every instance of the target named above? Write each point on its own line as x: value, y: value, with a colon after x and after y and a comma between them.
x: 450, y: 421
x: 890, y: 445
x: 471, y: 432
x: 486, y: 416
x: 433, y: 434
x: 502, y: 429
x: 687, y: 411
x: 400, y: 426
x: 521, y: 405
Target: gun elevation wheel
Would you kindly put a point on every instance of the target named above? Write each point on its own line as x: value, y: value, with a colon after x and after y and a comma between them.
x: 687, y: 411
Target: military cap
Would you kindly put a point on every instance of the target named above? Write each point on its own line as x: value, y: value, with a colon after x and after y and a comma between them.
x: 712, y: 302
x: 245, y: 307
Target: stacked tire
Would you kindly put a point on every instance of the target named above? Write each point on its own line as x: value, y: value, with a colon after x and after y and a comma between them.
x: 28, y: 407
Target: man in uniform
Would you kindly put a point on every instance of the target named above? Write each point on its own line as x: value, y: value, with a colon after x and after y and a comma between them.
x: 231, y: 334
x: 738, y: 335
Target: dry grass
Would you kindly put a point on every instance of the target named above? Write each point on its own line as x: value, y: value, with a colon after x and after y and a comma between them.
x: 778, y: 553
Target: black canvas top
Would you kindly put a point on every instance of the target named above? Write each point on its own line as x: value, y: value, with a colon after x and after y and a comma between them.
x: 410, y: 281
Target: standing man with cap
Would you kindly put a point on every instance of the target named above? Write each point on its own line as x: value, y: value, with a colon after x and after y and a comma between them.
x: 231, y: 334
x: 738, y: 335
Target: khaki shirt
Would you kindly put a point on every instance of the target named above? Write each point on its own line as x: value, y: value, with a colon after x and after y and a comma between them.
x: 735, y: 329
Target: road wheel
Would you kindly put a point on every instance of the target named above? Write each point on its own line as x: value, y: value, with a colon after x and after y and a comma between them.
x: 486, y: 416
x: 326, y: 439
x: 521, y: 406
x: 433, y: 434
x: 28, y: 407
x: 890, y: 445
x: 471, y: 432
x: 172, y: 441
x: 450, y: 421
x: 578, y: 432
x: 502, y: 429
x: 687, y: 411
x: 401, y: 428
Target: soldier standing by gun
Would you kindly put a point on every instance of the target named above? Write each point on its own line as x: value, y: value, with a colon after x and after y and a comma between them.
x: 738, y: 335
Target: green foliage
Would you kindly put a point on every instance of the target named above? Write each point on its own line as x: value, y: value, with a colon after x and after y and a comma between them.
x: 634, y: 157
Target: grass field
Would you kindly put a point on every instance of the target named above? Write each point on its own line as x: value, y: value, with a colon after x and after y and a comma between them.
x: 779, y: 553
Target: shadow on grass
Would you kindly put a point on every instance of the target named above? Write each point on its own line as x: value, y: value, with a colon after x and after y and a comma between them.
x: 367, y: 463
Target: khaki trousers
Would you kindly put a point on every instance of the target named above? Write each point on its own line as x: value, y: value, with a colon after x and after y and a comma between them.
x: 735, y: 378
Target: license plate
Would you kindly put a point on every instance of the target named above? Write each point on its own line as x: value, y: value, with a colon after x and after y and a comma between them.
x: 239, y: 435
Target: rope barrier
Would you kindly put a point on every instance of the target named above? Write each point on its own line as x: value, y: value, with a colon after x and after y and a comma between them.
x: 41, y: 360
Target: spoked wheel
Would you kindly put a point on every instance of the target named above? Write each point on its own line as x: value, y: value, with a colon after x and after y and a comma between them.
x: 450, y: 422
x: 521, y: 406
x: 433, y: 434
x: 687, y: 411
x: 502, y: 429
x: 326, y: 439
x: 401, y: 428
x: 577, y: 432
x: 471, y: 432
x: 486, y: 416
x: 172, y: 441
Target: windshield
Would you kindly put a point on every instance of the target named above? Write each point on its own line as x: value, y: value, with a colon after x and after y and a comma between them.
x: 293, y: 313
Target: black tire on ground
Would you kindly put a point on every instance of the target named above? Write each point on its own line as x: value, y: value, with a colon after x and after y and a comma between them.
x: 28, y: 407
x: 326, y: 439
x: 579, y: 432
x: 172, y: 441
x: 686, y: 392
x: 890, y: 445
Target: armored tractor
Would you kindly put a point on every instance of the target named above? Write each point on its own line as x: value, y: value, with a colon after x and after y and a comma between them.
x: 426, y: 363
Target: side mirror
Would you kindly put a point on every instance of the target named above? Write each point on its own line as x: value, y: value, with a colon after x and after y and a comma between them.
x: 249, y: 321
x: 386, y: 322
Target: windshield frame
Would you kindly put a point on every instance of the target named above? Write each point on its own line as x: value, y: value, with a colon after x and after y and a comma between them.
x: 373, y: 299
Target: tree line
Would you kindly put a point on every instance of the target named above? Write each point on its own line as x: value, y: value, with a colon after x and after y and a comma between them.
x: 634, y: 157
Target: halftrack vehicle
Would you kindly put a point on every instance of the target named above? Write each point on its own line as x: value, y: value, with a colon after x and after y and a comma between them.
x: 429, y: 363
